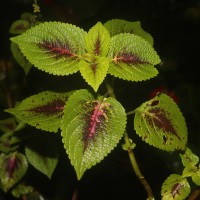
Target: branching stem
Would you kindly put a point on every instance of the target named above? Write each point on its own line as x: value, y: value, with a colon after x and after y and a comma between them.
x: 131, y: 154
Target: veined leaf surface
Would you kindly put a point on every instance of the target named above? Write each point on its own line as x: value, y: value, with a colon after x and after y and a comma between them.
x: 91, y: 128
x: 196, y: 176
x: 117, y: 26
x: 53, y: 47
x: 95, y: 71
x: 43, y: 110
x: 132, y: 58
x: 160, y: 123
x: 98, y: 40
x: 175, y: 188
x: 13, y: 167
x: 189, y: 158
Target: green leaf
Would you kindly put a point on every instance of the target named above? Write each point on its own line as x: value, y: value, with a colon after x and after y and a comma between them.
x: 53, y: 47
x: 42, y: 153
x: 43, y: 110
x: 189, y: 158
x: 94, y: 72
x: 19, y: 26
x: 160, y: 123
x: 21, y: 189
x: 27, y: 16
x: 117, y: 26
x: 189, y: 171
x: 98, y: 40
x: 196, y: 176
x: 175, y: 188
x: 20, y: 58
x: 8, y: 125
x: 9, y: 142
x: 132, y: 58
x: 13, y: 167
x: 91, y: 128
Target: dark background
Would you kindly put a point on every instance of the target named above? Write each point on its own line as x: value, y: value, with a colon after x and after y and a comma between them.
x: 175, y: 27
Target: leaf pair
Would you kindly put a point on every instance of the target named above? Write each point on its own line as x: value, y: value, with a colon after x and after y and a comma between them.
x: 177, y: 187
x: 91, y: 127
x: 63, y: 49
x: 14, y: 164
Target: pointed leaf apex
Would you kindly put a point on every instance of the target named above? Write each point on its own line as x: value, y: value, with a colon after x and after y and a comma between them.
x: 91, y: 128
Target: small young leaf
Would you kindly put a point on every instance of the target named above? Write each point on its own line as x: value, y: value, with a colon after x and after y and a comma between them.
x: 42, y: 153
x: 94, y: 72
x: 196, y: 176
x: 21, y: 189
x: 20, y: 58
x: 8, y: 125
x: 19, y: 26
x: 43, y: 110
x: 91, y: 128
x: 132, y: 58
x: 98, y: 40
x: 53, y: 47
x: 117, y: 26
x: 160, y: 123
x: 13, y: 167
x: 175, y: 188
x: 9, y: 142
x: 189, y: 171
x: 27, y: 16
x: 189, y: 158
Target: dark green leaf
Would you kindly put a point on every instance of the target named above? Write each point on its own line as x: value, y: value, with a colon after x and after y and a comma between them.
x: 8, y: 125
x: 21, y: 189
x: 117, y: 26
x: 42, y: 153
x: 8, y: 142
x: 13, y: 167
x: 19, y: 26
x: 20, y: 58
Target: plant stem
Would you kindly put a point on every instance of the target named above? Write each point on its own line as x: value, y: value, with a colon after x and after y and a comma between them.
x: 195, y: 195
x: 131, y: 154
x: 136, y: 168
x: 130, y: 112
x: 7, y: 85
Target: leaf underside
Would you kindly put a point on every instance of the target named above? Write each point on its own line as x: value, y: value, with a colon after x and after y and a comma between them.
x: 160, y: 123
x: 91, y: 128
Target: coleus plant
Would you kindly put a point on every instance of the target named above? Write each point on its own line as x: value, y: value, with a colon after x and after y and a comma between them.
x: 91, y: 124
